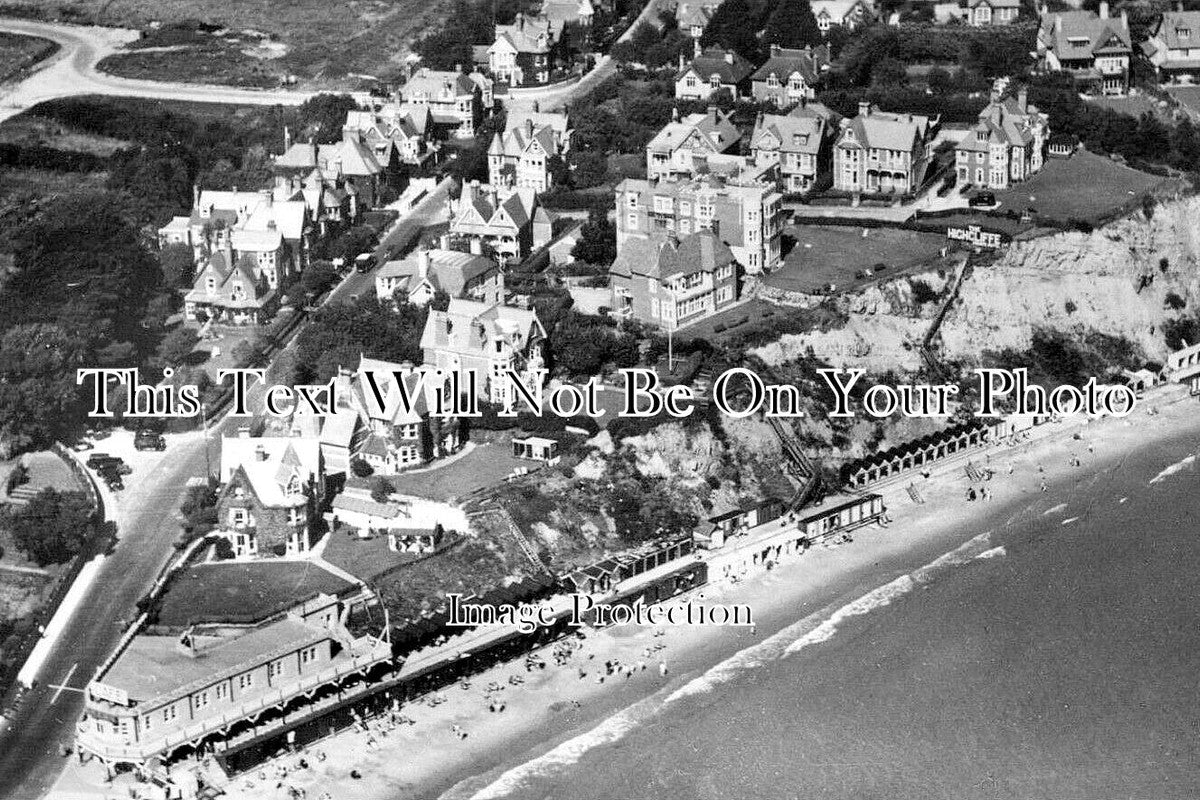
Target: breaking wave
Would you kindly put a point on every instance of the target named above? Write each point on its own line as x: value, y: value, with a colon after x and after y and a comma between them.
x: 812, y: 629
x: 1178, y: 466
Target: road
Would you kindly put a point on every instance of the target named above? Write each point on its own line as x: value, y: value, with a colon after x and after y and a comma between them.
x: 31, y: 743
x: 72, y: 71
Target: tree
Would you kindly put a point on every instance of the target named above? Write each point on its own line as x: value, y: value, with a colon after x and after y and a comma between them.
x: 888, y: 72
x: 318, y: 277
x: 734, y: 26
x: 590, y: 168
x: 177, y: 345
x: 597, y: 240
x: 54, y: 526
x: 39, y: 400
x: 361, y: 468
x: 324, y: 115
x: 792, y: 24
x: 178, y: 265
x: 381, y: 489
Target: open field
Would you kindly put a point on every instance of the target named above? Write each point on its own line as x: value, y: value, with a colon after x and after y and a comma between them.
x: 311, y: 39
x: 836, y: 254
x: 20, y: 52
x: 243, y: 592
x: 1084, y: 187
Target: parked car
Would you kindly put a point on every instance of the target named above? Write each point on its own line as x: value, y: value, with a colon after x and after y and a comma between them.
x: 98, y: 460
x: 364, y: 262
x: 982, y: 199
x: 113, y: 481
x: 98, y: 433
x: 83, y: 445
x: 149, y: 440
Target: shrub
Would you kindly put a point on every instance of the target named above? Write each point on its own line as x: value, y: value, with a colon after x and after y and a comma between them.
x: 1175, y: 302
x: 361, y: 468
x: 922, y: 292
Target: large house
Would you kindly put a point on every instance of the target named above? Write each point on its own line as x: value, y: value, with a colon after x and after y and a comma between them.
x: 799, y: 142
x: 981, y: 13
x: 520, y: 157
x: 389, y: 426
x: 228, y: 289
x: 668, y: 281
x: 525, y: 52
x: 710, y: 71
x: 271, y: 488
x: 423, y: 274
x: 1006, y: 145
x: 1174, y: 46
x: 405, y: 129
x: 881, y: 152
x: 848, y: 14
x: 487, y: 339
x: 748, y: 217
x: 273, y: 233
x: 456, y: 100
x: 349, y: 166
x: 684, y: 146
x: 1094, y: 48
x: 510, y: 222
x: 789, y: 75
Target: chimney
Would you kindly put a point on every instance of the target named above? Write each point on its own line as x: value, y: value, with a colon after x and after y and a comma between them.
x: 696, y: 48
x: 349, y: 133
x: 260, y: 453
x: 529, y: 128
x: 195, y: 195
x: 229, y: 250
x: 681, y: 60
x: 1023, y: 98
x: 1103, y: 9
x: 243, y: 431
x: 774, y: 50
x: 1125, y: 18
x: 674, y: 114
x: 444, y: 242
x: 729, y: 57
x: 476, y: 247
x: 287, y: 138
x: 422, y: 264
x: 864, y: 108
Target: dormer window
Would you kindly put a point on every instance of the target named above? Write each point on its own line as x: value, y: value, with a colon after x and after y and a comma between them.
x: 715, y: 81
x: 1183, y: 33
x: 981, y: 136
x: 293, y: 485
x: 799, y: 139
x: 772, y: 81
x: 211, y: 285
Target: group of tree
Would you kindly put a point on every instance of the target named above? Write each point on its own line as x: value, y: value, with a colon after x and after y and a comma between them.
x: 53, y: 527
x: 339, y: 334
x: 466, y: 23
x: 750, y: 29
x: 597, y: 243
x: 582, y: 344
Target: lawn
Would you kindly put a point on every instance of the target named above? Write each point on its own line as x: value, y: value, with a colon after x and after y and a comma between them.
x: 313, y: 39
x: 369, y: 558
x: 242, y: 593
x: 485, y: 465
x: 835, y: 254
x: 20, y: 52
x: 1085, y: 186
x: 1188, y: 97
x: 1134, y: 106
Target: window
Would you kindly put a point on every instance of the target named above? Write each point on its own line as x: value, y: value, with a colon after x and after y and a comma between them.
x: 200, y: 700
x: 245, y: 680
x: 222, y: 691
x: 631, y: 220
x: 168, y: 713
x: 690, y: 81
x: 772, y: 81
x: 715, y: 81
x: 147, y: 722
x: 632, y: 200
x: 211, y: 285
x: 274, y: 669
x: 239, y: 517
x: 662, y: 204
x: 295, y: 516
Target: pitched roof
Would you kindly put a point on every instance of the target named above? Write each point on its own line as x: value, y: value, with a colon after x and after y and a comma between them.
x: 886, y: 131
x: 1178, y: 30
x: 662, y: 256
x: 449, y: 270
x: 1094, y: 35
x: 517, y: 118
x: 1002, y: 121
x: 269, y: 462
x: 517, y: 141
x: 995, y: 3
x: 235, y: 285
x: 519, y: 206
x: 789, y: 134
x: 712, y: 127
x: 433, y: 84
x: 836, y: 10
x: 529, y: 34
x: 688, y: 15
x: 393, y: 409
x: 728, y: 66
x: 568, y: 11
x: 783, y: 62
x: 469, y: 328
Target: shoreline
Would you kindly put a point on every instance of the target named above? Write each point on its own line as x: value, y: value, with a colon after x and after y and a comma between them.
x: 554, y: 711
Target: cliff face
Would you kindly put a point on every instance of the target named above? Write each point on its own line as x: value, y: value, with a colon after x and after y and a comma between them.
x: 1077, y: 281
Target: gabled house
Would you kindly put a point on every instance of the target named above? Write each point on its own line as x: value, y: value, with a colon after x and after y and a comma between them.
x: 1174, y: 46
x: 1094, y: 48
x: 348, y: 165
x: 422, y: 274
x: 848, y: 14
x: 272, y: 232
x: 574, y: 19
x: 1007, y: 145
x: 981, y: 13
x: 520, y: 157
x: 227, y: 290
x: 800, y: 143
x: 789, y: 75
x: 389, y: 427
x: 271, y: 488
x: 510, y: 222
x: 693, y: 17
x: 668, y: 282
x: 525, y: 53
x: 712, y: 70
x: 405, y: 129
x: 486, y: 338
x: 457, y: 101
x: 882, y: 152
x: 684, y: 146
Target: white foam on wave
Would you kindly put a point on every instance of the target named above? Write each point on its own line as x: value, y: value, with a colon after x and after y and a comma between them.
x: 1069, y: 520
x: 995, y: 552
x: 1056, y: 509
x: 812, y: 629
x: 1178, y: 466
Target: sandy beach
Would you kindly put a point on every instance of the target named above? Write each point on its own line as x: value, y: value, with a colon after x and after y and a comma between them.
x: 460, y: 747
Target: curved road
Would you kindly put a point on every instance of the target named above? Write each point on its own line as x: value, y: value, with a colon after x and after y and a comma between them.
x: 72, y: 71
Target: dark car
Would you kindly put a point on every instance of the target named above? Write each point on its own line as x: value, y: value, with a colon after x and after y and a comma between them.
x: 982, y: 199
x: 98, y: 460
x: 113, y: 481
x: 364, y: 263
x: 149, y: 440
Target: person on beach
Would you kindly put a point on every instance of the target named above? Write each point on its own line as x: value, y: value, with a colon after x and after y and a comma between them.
x: 662, y: 668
